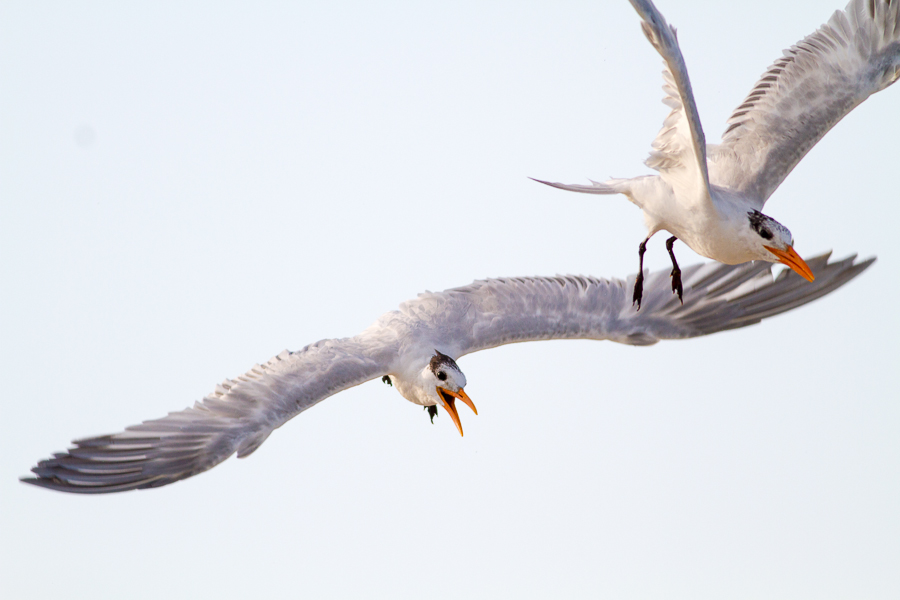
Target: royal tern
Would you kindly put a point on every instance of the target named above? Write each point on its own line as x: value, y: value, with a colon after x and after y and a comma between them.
x: 415, y: 349
x: 711, y: 197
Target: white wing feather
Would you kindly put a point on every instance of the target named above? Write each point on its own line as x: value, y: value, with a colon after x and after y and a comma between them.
x: 804, y: 94
x: 679, y: 150
x: 241, y: 413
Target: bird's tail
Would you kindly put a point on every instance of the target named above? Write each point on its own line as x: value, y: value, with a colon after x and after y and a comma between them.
x: 610, y: 186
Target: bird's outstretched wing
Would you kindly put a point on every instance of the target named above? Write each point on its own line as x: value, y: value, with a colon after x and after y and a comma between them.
x: 241, y: 413
x: 804, y: 94
x: 237, y: 417
x: 717, y: 297
x: 679, y: 150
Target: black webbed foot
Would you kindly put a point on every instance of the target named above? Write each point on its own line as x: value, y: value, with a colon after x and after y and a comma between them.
x: 432, y: 412
x: 639, y: 280
x: 676, y: 271
x: 638, y: 290
x: 676, y: 284
x: 386, y: 379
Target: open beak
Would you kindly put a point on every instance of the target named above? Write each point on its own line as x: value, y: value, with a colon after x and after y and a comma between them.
x: 449, y: 402
x: 790, y: 258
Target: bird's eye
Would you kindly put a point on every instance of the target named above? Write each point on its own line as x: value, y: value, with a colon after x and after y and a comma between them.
x: 442, y: 376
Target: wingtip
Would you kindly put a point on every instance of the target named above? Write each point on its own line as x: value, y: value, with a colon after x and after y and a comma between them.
x: 867, y: 262
x: 42, y: 482
x: 850, y: 260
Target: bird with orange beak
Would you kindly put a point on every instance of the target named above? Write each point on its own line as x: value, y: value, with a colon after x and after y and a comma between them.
x: 710, y: 196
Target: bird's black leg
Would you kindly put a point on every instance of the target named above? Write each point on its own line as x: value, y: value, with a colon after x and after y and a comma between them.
x: 432, y: 412
x: 676, y: 272
x: 639, y: 280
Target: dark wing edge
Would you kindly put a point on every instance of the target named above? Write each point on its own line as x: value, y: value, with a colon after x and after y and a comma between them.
x: 722, y: 297
x: 236, y: 418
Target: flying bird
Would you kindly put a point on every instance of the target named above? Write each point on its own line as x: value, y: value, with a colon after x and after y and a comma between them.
x: 415, y: 348
x: 711, y: 197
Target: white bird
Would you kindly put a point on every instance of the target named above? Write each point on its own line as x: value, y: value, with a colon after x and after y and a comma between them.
x: 414, y: 348
x: 711, y: 197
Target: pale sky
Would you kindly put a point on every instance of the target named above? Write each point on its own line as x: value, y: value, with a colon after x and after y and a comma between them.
x: 189, y: 188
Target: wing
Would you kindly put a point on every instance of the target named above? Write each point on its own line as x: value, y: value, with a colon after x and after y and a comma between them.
x: 804, y: 94
x: 240, y: 414
x: 237, y: 417
x: 718, y: 297
x: 679, y: 150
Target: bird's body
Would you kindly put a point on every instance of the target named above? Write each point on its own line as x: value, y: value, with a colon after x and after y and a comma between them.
x: 711, y: 196
x: 711, y: 227
x: 415, y: 347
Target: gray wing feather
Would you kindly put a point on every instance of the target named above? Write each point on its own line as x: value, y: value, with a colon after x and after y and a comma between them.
x: 741, y: 295
x: 235, y: 418
x: 718, y: 297
x: 804, y: 94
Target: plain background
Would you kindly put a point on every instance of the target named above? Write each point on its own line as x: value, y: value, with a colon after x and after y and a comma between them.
x: 189, y: 188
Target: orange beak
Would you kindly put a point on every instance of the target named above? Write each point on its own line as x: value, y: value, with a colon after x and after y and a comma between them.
x: 790, y: 258
x: 449, y: 403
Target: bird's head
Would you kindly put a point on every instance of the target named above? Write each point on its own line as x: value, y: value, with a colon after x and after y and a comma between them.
x: 444, y: 382
x: 440, y: 383
x: 772, y: 242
